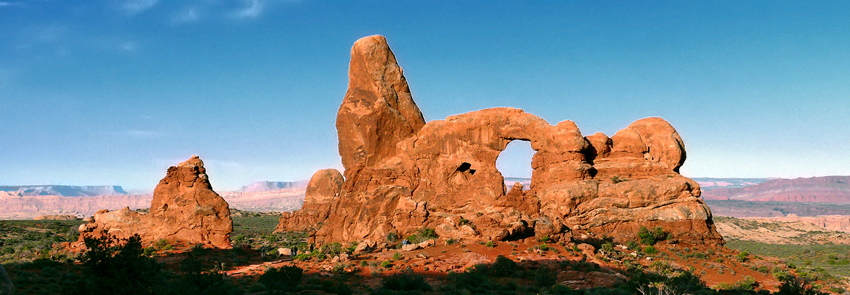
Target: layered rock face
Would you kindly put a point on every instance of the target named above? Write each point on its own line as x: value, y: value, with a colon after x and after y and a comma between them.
x: 402, y: 175
x: 184, y: 209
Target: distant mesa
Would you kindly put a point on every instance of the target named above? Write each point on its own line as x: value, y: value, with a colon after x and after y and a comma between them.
x: 707, y: 183
x: 265, y: 186
x: 66, y: 190
x: 403, y: 174
x: 826, y: 189
x: 184, y: 209
x: 56, y: 217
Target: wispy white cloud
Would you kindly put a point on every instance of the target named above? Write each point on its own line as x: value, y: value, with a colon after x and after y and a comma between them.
x: 188, y: 15
x: 252, y: 9
x: 127, y: 46
x: 138, y: 6
x: 7, y: 4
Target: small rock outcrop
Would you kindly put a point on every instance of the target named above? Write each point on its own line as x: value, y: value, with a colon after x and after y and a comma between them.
x: 402, y: 174
x: 184, y: 209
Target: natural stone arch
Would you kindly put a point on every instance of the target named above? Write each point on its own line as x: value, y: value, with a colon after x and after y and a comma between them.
x: 515, y: 162
x: 402, y: 174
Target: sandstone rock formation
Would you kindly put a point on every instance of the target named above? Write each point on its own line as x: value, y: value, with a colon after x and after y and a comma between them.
x: 322, y: 190
x: 402, y: 175
x: 184, y: 209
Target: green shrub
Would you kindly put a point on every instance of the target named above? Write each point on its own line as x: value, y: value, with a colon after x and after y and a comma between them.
x: 392, y: 237
x: 490, y: 244
x: 163, y: 244
x: 608, y: 247
x: 421, y: 235
x: 747, y: 284
x: 742, y: 257
x: 397, y: 256
x: 386, y: 264
x: 650, y: 250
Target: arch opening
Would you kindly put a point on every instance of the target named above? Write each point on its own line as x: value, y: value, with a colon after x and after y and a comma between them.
x: 514, y: 163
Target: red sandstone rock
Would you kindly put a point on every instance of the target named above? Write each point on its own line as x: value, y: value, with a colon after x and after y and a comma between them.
x: 378, y: 110
x: 184, y: 209
x: 442, y: 174
x: 322, y: 190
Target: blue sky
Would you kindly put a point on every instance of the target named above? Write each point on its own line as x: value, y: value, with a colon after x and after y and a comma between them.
x: 114, y: 92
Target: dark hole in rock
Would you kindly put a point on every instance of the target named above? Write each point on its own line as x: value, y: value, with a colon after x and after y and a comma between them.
x: 464, y: 167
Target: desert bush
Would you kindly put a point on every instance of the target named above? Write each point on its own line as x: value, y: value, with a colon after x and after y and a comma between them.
x: 503, y: 267
x: 392, y: 237
x: 490, y: 244
x: 115, y: 266
x: 746, y: 284
x: 473, y: 279
x: 421, y: 235
x: 650, y: 250
x: 545, y: 277
x: 648, y: 237
x: 405, y: 281
x: 742, y: 256
x: 163, y: 244
x: 286, y: 278
x: 608, y: 247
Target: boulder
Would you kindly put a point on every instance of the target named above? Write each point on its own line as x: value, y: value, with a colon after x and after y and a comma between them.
x: 184, y: 209
x: 284, y: 251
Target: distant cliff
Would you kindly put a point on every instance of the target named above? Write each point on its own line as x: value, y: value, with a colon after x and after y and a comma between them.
x: 17, y: 206
x: 265, y: 186
x: 828, y: 189
x: 65, y: 190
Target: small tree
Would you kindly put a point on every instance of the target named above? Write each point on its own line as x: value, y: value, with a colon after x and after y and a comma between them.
x: 116, y: 266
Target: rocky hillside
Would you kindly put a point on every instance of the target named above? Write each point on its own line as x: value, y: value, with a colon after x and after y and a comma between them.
x: 828, y: 189
x: 65, y: 190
